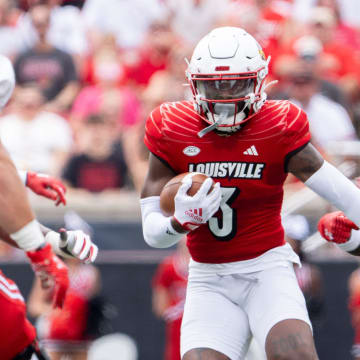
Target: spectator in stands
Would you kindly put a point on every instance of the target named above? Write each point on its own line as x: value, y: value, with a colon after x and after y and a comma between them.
x: 10, y: 39
x: 52, y: 69
x: 66, y: 29
x: 168, y: 84
x: 344, y: 33
x: 268, y: 21
x: 346, y: 15
x: 350, y: 12
x: 64, y: 333
x: 328, y: 120
x: 309, y: 49
x: 168, y: 297
x: 100, y: 165
x: 152, y: 55
x: 342, y: 52
x: 306, y: 52
x: 36, y: 139
x: 339, y: 62
x: 126, y: 20
x: 164, y: 85
x: 106, y: 92
x: 193, y: 19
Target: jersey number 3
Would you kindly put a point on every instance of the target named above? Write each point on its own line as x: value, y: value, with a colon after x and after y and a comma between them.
x: 224, y: 227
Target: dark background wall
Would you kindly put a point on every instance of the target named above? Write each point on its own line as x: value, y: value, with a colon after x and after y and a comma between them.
x: 127, y: 287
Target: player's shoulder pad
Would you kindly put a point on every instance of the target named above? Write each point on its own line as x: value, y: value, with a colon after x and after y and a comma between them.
x: 297, y: 132
x: 167, y: 116
x: 296, y: 117
x: 154, y: 123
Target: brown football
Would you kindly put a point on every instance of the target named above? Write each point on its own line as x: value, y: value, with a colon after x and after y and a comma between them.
x: 169, y: 191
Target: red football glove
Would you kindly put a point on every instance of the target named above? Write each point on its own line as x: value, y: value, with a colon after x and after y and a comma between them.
x: 46, y: 186
x: 336, y: 227
x: 52, y: 272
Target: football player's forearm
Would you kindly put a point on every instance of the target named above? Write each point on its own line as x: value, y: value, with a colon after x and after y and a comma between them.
x: 328, y: 182
x: 13, y: 197
x: 4, y: 236
x: 17, y: 219
x: 157, y: 229
x: 332, y: 185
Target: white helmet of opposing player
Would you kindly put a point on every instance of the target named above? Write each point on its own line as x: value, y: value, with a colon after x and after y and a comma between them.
x: 226, y: 74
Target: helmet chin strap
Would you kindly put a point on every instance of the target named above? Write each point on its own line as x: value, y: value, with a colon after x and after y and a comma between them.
x: 213, y: 126
x: 220, y: 120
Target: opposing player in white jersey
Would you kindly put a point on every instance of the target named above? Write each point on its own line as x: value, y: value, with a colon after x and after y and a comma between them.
x: 241, y: 277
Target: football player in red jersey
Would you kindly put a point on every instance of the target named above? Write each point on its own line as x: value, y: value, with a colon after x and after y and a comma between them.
x: 241, y: 277
x: 17, y: 335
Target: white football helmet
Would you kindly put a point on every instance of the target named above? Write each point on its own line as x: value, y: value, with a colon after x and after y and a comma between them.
x: 226, y: 74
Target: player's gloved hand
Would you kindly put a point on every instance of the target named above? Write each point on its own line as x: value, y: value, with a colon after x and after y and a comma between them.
x: 73, y: 244
x: 336, y: 227
x: 192, y: 211
x: 52, y: 271
x: 46, y: 186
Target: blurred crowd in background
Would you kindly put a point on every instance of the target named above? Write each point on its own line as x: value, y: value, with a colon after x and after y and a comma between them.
x: 89, y: 73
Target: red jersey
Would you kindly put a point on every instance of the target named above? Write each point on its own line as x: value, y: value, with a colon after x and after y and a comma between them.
x: 250, y: 165
x: 172, y: 276
x: 16, y: 332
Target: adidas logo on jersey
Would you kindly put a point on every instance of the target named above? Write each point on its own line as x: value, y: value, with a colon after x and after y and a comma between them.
x: 251, y: 151
x: 239, y: 170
